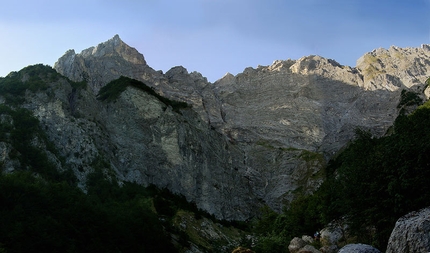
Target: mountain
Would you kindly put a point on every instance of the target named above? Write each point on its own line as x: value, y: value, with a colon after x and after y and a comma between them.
x: 258, y: 138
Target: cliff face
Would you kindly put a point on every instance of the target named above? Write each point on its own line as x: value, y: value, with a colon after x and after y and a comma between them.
x: 256, y: 138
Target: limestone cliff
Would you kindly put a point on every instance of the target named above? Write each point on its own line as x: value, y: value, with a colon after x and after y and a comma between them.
x: 257, y: 138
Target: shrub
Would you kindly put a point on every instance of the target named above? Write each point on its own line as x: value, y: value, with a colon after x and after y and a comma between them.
x: 34, y: 78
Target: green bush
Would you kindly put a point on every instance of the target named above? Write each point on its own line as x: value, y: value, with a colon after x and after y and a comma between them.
x: 34, y: 78
x: 408, y: 98
x: 274, y: 243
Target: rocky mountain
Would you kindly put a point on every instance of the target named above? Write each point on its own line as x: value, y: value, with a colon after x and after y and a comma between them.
x: 257, y: 138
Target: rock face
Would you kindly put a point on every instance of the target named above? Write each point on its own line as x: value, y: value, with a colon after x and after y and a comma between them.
x: 147, y: 142
x: 253, y: 139
x: 411, y: 233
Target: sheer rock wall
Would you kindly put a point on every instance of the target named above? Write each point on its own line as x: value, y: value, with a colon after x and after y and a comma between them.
x: 253, y: 139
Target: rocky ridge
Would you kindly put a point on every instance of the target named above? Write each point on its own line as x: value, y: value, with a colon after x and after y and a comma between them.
x: 257, y: 138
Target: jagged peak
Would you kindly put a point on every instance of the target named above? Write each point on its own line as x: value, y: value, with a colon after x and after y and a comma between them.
x: 228, y: 75
x: 396, y: 52
x: 111, y: 48
x: 113, y: 54
x: 176, y: 71
x: 396, y: 66
x: 113, y: 42
x: 181, y: 73
x: 227, y: 79
x: 116, y: 39
x: 302, y: 65
x: 310, y: 63
x: 279, y: 65
x: 426, y: 47
x: 115, y: 47
x: 70, y: 52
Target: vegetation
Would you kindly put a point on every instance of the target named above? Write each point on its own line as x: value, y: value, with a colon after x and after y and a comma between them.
x: 372, y: 183
x: 34, y: 78
x: 41, y: 216
x: 311, y: 157
x: 275, y: 231
x: 408, y: 98
x: 113, y: 90
x: 20, y: 129
x: 373, y: 66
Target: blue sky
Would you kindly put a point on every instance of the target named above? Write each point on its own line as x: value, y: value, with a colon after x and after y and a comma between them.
x: 210, y: 36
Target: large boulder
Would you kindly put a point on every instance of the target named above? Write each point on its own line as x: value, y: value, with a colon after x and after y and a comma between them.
x: 308, y: 249
x: 411, y: 233
x: 358, y: 248
x: 296, y: 244
x: 334, y: 236
x: 308, y: 239
x: 302, y: 245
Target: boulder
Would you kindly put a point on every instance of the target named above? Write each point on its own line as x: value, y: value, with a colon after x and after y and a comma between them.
x: 333, y: 236
x: 308, y: 249
x: 358, y: 248
x: 411, y: 233
x: 242, y: 250
x: 296, y: 244
x: 301, y: 245
x: 308, y: 239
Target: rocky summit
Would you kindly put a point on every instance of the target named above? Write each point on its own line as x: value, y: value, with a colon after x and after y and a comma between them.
x: 245, y: 141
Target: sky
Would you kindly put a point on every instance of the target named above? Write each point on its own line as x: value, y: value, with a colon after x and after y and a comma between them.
x: 212, y: 37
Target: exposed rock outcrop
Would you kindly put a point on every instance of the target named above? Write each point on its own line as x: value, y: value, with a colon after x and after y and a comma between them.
x: 394, y: 67
x: 411, y: 233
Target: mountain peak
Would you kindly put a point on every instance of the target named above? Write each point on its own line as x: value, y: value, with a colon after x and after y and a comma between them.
x: 112, y: 58
x: 116, y: 38
x: 115, y: 47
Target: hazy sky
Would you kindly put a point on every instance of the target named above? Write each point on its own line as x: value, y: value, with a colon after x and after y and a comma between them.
x: 210, y: 36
